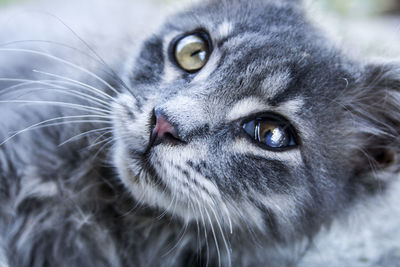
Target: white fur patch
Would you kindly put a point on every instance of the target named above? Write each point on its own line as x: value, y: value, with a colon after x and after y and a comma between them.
x: 275, y: 84
x: 246, y: 107
x: 291, y: 107
x: 224, y: 30
x: 170, y: 72
x: 291, y: 157
x: 252, y: 105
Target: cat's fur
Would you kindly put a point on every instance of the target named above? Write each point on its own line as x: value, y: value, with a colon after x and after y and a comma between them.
x: 103, y: 199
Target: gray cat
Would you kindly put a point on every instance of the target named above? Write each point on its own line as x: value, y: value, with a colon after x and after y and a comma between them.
x: 229, y: 136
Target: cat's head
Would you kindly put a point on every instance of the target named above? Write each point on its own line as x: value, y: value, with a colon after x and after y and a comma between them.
x: 242, y: 114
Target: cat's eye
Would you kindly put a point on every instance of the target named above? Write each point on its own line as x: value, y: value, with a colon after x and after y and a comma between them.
x: 271, y: 132
x: 191, y: 52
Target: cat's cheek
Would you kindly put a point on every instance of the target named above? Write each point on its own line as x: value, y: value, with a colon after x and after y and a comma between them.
x: 134, y: 179
x: 121, y: 162
x: 131, y: 122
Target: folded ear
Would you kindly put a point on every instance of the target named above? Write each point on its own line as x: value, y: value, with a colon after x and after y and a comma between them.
x: 374, y: 105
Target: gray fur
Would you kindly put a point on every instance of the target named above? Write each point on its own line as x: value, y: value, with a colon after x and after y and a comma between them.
x: 104, y: 199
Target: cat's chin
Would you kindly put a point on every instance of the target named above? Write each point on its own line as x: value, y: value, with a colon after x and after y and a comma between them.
x: 150, y: 190
x: 169, y: 193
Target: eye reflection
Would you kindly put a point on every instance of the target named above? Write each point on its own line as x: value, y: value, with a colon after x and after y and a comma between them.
x: 271, y: 132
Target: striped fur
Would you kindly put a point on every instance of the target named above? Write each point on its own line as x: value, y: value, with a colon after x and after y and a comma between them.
x: 79, y: 185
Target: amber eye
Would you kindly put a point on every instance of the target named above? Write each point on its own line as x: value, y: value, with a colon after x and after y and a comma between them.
x: 192, y: 51
x: 271, y: 132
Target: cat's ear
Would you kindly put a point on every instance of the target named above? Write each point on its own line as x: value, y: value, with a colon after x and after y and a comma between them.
x: 375, y: 116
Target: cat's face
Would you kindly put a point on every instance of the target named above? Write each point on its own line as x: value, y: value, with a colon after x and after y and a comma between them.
x: 255, y: 131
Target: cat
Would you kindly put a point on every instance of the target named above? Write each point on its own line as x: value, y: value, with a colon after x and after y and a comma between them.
x: 229, y: 134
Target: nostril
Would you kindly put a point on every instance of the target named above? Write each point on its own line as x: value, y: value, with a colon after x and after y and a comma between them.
x: 163, y: 130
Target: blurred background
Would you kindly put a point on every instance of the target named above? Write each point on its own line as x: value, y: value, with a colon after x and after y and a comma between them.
x: 371, y: 27
x: 341, y: 7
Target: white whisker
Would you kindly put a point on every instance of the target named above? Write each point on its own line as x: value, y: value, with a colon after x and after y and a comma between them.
x: 76, y: 82
x: 35, y: 52
x: 83, y: 134
x: 66, y: 91
x: 228, y: 249
x: 107, y: 142
x: 65, y: 104
x: 199, y: 245
x: 205, y: 232
x: 183, y: 231
x: 97, y: 59
x: 103, y: 134
x: 50, y: 120
x: 100, y: 142
x: 167, y: 209
x: 69, y: 122
x: 82, y: 86
x: 215, y: 237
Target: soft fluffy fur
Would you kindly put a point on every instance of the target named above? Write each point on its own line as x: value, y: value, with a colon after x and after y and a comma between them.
x: 103, y: 199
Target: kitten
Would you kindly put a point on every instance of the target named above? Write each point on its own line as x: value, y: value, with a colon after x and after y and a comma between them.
x: 229, y: 136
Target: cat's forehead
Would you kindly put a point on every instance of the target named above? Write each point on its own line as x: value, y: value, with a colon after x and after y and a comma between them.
x: 260, y: 48
x: 253, y: 15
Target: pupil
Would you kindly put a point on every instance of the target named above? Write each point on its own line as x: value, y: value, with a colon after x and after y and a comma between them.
x: 195, y: 53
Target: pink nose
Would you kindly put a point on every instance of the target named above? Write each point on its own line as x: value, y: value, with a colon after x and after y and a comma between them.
x: 163, y: 130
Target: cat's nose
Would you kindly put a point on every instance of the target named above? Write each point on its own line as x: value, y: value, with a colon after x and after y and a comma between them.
x: 163, y: 130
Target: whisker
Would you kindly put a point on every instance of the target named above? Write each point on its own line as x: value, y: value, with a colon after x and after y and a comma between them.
x: 50, y: 120
x: 205, y: 232
x: 65, y: 104
x: 58, y: 59
x: 69, y: 122
x: 66, y: 91
x: 229, y: 217
x: 166, y: 210
x: 228, y: 250
x: 183, y: 231
x: 138, y: 203
x: 100, y: 142
x: 72, y: 92
x: 48, y: 82
x: 97, y: 59
x: 83, y: 134
x: 100, y: 59
x: 199, y: 245
x: 103, y: 134
x: 73, y: 81
x: 110, y: 140
x: 215, y: 237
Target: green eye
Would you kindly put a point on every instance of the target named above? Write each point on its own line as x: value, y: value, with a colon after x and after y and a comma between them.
x: 191, y: 52
x: 271, y: 132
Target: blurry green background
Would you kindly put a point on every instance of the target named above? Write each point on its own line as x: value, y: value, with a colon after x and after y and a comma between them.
x: 360, y: 7
x: 342, y: 7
